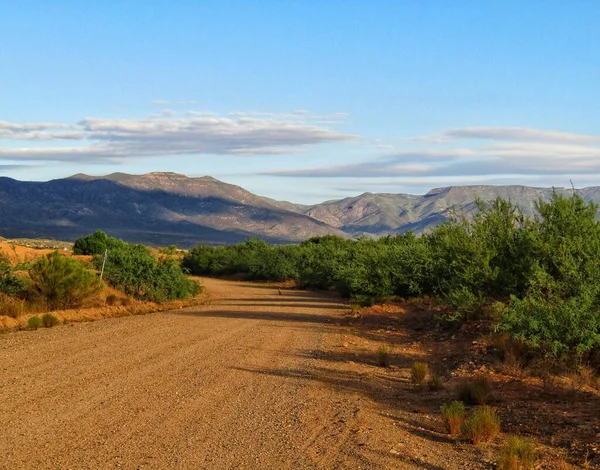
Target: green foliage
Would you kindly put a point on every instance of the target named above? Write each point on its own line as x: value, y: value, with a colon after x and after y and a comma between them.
x: 49, y: 320
x: 96, y: 243
x: 134, y: 270
x: 34, y: 323
x: 517, y: 454
x: 543, y: 271
x: 453, y: 415
x: 482, y: 426
x: 62, y: 282
x: 10, y: 284
x: 559, y: 312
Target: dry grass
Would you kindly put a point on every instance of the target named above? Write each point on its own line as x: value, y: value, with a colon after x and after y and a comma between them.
x: 453, y: 415
x: 12, y: 308
x: 383, y: 356
x: 475, y: 390
x: 128, y: 307
x: 435, y: 382
x: 482, y: 426
x: 419, y: 372
x: 517, y: 454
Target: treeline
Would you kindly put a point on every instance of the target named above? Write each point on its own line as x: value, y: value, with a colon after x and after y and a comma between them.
x: 538, y: 277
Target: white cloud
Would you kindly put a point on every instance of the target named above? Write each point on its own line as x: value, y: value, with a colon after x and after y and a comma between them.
x: 168, y: 112
x: 485, y: 153
x: 111, y: 139
x: 519, y: 134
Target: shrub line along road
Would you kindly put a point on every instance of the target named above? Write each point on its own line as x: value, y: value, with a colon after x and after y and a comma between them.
x: 237, y: 383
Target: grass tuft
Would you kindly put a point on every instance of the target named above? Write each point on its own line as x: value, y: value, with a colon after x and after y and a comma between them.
x: 383, y: 356
x: 419, y: 372
x: 517, y: 454
x: 453, y: 415
x: 482, y: 426
x: 49, y: 320
x: 476, y: 390
x: 34, y: 322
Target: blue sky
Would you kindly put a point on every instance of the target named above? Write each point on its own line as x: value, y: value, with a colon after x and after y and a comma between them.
x: 304, y: 100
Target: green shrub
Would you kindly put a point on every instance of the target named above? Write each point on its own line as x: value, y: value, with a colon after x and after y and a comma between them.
x: 453, y: 415
x: 383, y: 356
x: 542, y: 270
x: 134, y: 270
x: 419, y: 372
x: 482, y: 426
x: 62, y: 282
x: 475, y: 390
x: 49, y: 320
x: 34, y: 323
x: 96, y: 244
x: 10, y: 284
x: 517, y: 454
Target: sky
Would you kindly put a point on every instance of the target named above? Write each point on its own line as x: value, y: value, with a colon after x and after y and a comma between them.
x: 304, y: 100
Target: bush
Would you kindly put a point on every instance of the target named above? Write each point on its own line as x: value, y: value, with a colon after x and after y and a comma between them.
x: 134, y: 270
x: 383, y: 356
x: 34, y: 323
x: 476, y: 390
x: 542, y: 270
x: 419, y: 372
x: 482, y: 426
x: 453, y: 415
x: 96, y: 244
x: 62, y: 282
x: 517, y: 454
x: 10, y: 284
x: 49, y: 320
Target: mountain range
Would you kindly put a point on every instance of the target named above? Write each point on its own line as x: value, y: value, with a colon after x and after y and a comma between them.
x: 169, y: 208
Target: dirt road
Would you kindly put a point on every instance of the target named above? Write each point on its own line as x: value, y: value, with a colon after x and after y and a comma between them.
x: 248, y: 381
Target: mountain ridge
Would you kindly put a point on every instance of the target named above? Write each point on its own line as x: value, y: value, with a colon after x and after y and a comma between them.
x: 169, y: 208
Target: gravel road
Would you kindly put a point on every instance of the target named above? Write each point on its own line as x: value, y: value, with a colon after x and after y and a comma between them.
x: 225, y: 385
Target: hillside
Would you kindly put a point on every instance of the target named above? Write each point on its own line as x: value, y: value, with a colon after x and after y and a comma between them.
x: 157, y: 208
x: 169, y: 208
x: 382, y: 214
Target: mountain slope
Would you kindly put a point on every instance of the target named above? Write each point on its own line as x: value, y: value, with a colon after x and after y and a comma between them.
x: 158, y: 208
x: 381, y: 214
x: 168, y: 208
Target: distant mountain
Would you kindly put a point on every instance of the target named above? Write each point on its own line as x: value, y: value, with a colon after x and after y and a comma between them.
x: 169, y: 208
x: 381, y: 214
x: 156, y: 208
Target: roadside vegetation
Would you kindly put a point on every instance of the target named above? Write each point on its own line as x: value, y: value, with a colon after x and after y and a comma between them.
x: 105, y: 272
x: 536, y: 278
